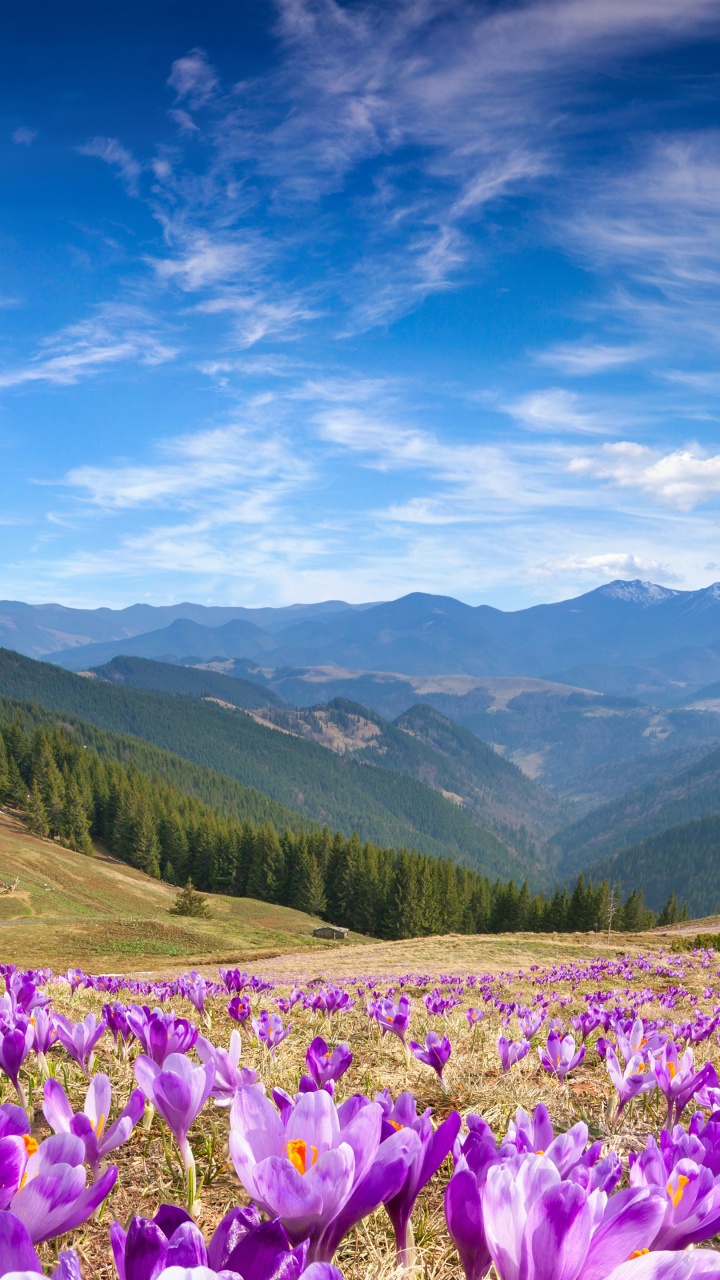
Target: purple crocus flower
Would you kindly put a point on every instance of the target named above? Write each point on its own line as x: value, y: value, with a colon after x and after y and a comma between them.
x: 269, y: 1030
x: 116, y: 1019
x: 75, y: 978
x: 53, y: 1198
x: 530, y: 1023
x: 19, y: 1260
x: 435, y: 1145
x: 635, y: 1079
x: 586, y: 1023
x: 178, y: 1091
x: 16, y: 1146
x: 568, y: 1151
x: 239, y: 1008
x: 195, y: 989
x: 691, y: 1193
x: 304, y: 1166
x: 44, y: 1033
x: 475, y: 1016
x: 229, y: 1075
x: 161, y: 1034
x: 560, y: 1056
x: 241, y: 1246
x: 434, y: 1054
x: 330, y: 1000
x: 79, y: 1038
x: 678, y: 1079
x: 638, y: 1040
x: 394, y: 1017
x: 91, y: 1124
x: 511, y: 1051
x: 325, y: 1067
x: 539, y: 1227
x: 234, y: 980
x: 15, y: 1045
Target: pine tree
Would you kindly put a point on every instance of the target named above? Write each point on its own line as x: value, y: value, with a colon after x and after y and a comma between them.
x: 173, y: 848
x: 3, y: 769
x: 670, y: 913
x: 48, y: 780
x: 75, y: 828
x: 146, y: 846
x: 37, y: 813
x: 311, y: 894
x: 265, y: 878
x: 190, y: 903
x: 406, y: 904
x: 16, y: 792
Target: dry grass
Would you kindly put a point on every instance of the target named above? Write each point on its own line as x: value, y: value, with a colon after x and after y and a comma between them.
x: 473, y: 1078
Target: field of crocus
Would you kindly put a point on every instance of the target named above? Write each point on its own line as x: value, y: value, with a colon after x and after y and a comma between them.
x: 558, y: 1122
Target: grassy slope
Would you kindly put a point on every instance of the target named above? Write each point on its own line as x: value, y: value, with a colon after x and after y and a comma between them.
x: 381, y: 807
x: 69, y: 909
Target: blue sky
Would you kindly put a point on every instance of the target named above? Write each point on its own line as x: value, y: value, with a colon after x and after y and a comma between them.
x: 306, y: 300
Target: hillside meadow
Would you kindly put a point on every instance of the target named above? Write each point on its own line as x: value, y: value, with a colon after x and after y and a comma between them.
x: 73, y: 909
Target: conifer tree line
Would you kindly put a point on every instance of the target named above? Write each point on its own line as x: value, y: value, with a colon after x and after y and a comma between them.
x: 72, y: 794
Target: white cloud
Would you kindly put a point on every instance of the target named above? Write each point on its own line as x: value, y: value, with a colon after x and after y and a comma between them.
x: 579, y: 359
x: 683, y: 478
x: 24, y: 137
x: 204, y: 262
x: 255, y: 317
x: 234, y: 472
x: 610, y: 565
x: 115, y: 154
x: 111, y: 336
x: 558, y: 411
x: 193, y: 79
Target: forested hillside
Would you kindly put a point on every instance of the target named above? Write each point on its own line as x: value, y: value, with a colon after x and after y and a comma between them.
x: 74, y: 796
x: 692, y: 793
x: 383, y: 807
x: 167, y: 677
x: 425, y: 745
x: 684, y: 859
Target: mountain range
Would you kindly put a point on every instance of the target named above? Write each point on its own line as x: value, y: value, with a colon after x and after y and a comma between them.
x: 629, y: 628
x: 580, y: 735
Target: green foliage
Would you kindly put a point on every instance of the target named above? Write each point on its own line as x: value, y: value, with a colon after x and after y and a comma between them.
x: 166, y: 677
x: 190, y: 903
x: 152, y: 824
x: 705, y: 941
x: 673, y: 801
x: 685, y: 856
x: 384, y: 807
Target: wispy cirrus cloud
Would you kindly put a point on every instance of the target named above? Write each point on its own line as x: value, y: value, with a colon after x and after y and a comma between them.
x: 557, y: 411
x: 115, y: 334
x: 115, y: 154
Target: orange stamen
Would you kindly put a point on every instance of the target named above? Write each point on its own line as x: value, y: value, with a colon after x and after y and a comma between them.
x: 676, y: 1196
x: 395, y: 1125
x: 638, y: 1253
x: 297, y: 1151
x: 31, y: 1144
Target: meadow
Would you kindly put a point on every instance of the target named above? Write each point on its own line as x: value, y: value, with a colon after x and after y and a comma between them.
x: 642, y: 1051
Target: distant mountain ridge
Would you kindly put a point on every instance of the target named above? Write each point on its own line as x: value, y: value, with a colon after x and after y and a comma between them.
x: 40, y: 629
x: 609, y: 639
